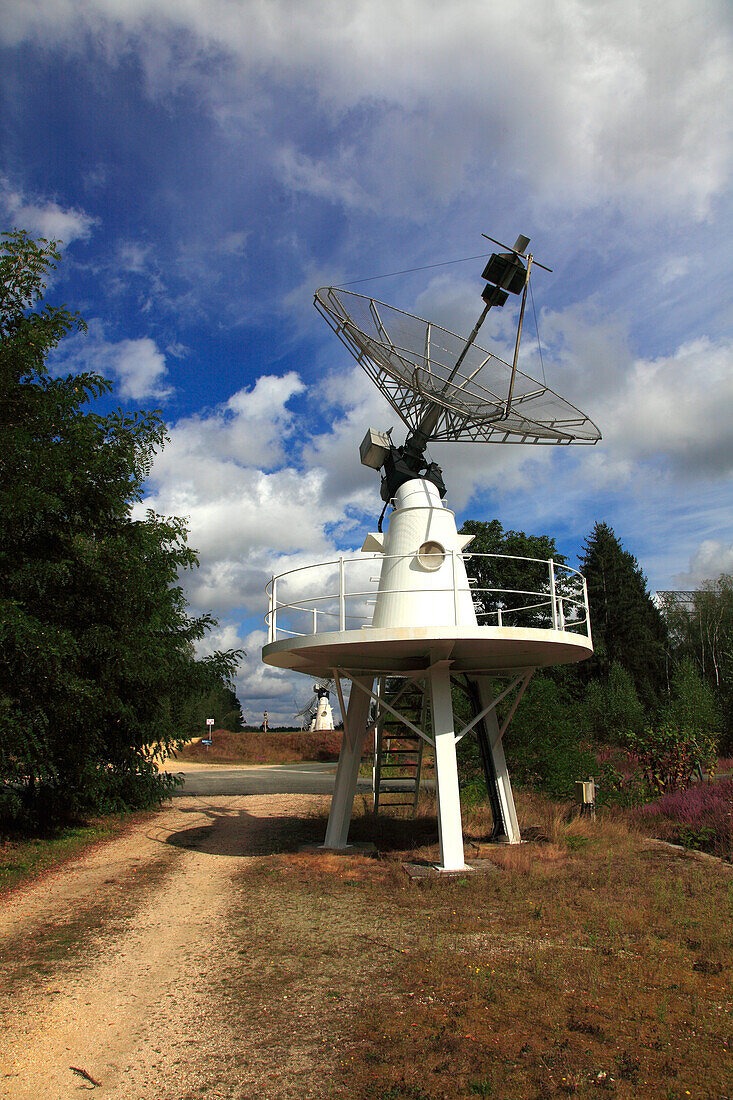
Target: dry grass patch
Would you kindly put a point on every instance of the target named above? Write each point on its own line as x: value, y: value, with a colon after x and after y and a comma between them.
x: 264, y: 748
x: 66, y: 943
x: 23, y: 858
x: 588, y: 964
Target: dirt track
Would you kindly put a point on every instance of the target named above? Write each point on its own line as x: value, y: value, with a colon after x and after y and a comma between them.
x: 120, y: 965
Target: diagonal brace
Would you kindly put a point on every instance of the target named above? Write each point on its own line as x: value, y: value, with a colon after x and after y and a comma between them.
x: 528, y: 676
x: 400, y: 717
x: 492, y: 705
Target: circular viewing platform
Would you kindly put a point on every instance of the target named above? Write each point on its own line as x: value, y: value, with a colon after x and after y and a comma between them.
x: 320, y: 618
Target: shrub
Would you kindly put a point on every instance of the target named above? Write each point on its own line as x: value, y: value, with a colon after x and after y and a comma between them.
x: 669, y: 754
x: 613, y: 708
x: 699, y: 817
x: 542, y: 745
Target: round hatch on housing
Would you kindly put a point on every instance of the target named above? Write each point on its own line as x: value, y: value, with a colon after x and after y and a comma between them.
x: 431, y: 555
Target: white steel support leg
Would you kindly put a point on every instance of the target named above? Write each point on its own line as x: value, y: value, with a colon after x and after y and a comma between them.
x: 503, y: 785
x: 446, y: 770
x: 347, y: 772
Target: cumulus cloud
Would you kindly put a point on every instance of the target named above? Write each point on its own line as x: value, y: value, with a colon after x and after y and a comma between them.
x: 673, y: 408
x: 138, y: 365
x: 247, y: 430
x: 678, y: 407
x: 710, y: 559
x: 259, y: 687
x: 251, y: 511
x: 44, y: 217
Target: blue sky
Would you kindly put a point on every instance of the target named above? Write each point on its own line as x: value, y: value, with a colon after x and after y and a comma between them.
x: 208, y: 164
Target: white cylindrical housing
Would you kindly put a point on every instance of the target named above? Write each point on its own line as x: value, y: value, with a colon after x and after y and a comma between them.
x: 323, y: 719
x: 423, y: 580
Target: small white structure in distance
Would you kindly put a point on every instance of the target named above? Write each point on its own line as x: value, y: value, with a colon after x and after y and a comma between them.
x: 323, y: 718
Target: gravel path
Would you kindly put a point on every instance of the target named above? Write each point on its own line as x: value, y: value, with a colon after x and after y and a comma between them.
x: 113, y: 964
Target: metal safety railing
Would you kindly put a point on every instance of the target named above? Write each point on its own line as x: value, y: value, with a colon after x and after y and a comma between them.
x: 302, y: 603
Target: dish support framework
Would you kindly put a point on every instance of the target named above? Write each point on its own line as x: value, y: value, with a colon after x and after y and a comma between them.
x: 437, y: 680
x: 420, y: 545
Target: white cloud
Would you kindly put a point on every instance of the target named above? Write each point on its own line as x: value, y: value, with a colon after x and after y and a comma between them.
x: 138, y: 365
x: 45, y: 217
x: 133, y: 257
x: 334, y: 180
x: 590, y: 101
x: 261, y: 687
x: 248, y: 430
x: 676, y: 408
x: 258, y: 686
x: 711, y: 558
x: 250, y: 511
x: 234, y: 243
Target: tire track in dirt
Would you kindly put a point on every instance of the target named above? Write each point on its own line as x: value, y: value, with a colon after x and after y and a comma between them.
x: 140, y: 1006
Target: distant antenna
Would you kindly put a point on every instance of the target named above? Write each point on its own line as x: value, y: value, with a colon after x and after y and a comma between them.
x: 316, y: 713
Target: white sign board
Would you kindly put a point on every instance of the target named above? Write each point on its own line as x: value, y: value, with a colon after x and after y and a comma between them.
x: 209, y: 721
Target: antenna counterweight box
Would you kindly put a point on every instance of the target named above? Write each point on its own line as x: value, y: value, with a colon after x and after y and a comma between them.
x: 374, y: 448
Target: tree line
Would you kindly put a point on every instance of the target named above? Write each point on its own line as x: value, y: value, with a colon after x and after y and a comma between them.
x: 657, y: 692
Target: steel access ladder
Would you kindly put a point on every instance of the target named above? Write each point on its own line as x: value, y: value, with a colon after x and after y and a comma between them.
x: 398, y: 751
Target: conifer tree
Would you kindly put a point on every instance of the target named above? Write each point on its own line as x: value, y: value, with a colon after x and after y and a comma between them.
x: 627, y: 626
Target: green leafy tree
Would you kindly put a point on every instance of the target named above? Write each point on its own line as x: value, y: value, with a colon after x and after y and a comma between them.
x: 220, y: 703
x: 96, y: 644
x: 627, y: 626
x: 693, y: 705
x: 543, y: 745
x: 702, y: 633
x: 612, y: 707
x: 510, y: 574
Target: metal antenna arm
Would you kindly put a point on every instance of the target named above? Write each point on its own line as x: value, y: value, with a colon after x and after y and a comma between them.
x: 516, y: 345
x: 421, y: 435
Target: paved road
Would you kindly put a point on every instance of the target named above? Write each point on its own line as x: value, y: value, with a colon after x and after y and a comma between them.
x: 237, y: 779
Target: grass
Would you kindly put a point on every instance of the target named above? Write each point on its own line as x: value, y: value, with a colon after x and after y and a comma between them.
x: 585, y: 963
x: 264, y: 748
x: 24, y: 858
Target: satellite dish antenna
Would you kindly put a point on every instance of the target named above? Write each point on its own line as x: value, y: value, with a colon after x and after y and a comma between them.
x: 424, y: 628
x: 317, y: 713
x: 446, y: 387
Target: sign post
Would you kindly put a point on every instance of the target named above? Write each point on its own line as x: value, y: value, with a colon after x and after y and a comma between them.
x: 209, y: 729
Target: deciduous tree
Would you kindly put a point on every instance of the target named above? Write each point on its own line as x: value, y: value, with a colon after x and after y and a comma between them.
x: 516, y: 581
x: 96, y: 643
